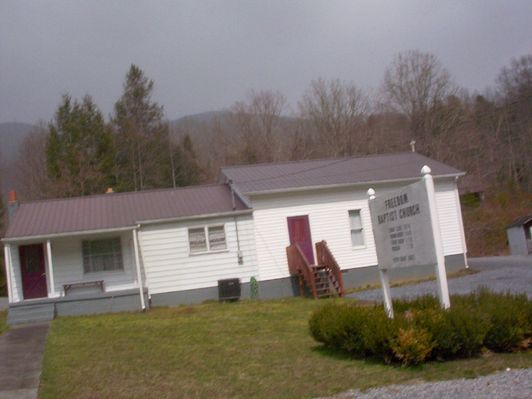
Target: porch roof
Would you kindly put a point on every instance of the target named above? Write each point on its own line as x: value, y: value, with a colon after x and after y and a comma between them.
x: 99, y: 213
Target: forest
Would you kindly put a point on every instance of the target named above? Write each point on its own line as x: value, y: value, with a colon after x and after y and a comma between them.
x: 417, y: 106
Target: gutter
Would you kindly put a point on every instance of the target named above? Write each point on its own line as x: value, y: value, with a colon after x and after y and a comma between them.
x: 346, y: 185
x: 205, y: 216
x: 67, y: 234
x: 122, y: 229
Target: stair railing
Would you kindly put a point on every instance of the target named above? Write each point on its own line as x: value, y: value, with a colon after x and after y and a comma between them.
x: 298, y: 265
x: 326, y: 258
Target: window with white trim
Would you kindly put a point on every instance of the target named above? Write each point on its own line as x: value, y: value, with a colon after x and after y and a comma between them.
x: 357, y: 231
x: 207, y: 238
x: 102, y: 255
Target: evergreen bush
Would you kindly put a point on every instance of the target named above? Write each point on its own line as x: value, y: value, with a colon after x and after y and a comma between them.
x: 421, y: 330
x: 412, y: 345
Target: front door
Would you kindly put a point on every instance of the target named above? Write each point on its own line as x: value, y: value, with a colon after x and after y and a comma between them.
x: 33, y: 271
x: 299, y: 231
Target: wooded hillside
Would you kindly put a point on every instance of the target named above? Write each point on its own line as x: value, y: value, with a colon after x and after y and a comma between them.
x: 488, y: 135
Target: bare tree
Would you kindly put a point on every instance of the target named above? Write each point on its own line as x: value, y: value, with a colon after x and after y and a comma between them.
x: 257, y: 120
x: 337, y: 112
x: 514, y: 85
x: 416, y: 84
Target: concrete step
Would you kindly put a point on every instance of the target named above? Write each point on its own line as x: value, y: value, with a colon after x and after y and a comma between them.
x: 30, y: 314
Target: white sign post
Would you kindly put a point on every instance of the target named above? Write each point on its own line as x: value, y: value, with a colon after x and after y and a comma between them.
x: 383, y: 275
x: 441, y: 276
x: 407, y: 233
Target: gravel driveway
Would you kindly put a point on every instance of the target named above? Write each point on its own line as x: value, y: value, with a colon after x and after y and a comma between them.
x: 514, y: 384
x: 500, y: 274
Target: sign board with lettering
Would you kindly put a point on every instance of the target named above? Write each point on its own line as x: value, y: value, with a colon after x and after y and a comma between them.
x: 402, y: 228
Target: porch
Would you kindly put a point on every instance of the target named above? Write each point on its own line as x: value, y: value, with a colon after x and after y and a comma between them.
x: 45, y: 309
x: 86, y: 273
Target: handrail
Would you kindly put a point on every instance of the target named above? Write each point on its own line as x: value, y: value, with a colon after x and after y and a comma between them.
x: 298, y: 265
x: 326, y: 258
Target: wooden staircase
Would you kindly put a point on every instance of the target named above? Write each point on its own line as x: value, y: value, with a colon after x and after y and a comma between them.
x: 324, y: 279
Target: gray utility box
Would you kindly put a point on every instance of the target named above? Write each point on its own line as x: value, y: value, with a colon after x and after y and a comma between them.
x: 229, y: 289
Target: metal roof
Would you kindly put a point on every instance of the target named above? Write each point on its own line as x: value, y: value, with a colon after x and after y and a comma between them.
x: 271, y: 177
x: 119, y: 210
x: 520, y: 222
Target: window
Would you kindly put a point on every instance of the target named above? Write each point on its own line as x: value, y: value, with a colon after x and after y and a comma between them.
x: 102, y: 255
x: 216, y: 238
x: 197, y: 238
x: 357, y: 231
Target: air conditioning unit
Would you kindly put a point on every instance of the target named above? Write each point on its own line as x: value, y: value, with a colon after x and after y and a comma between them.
x: 229, y: 289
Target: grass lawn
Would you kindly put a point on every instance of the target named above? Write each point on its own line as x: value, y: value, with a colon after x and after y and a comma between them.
x: 236, y: 350
x: 3, y: 321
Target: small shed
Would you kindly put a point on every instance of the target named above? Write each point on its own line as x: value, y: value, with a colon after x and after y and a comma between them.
x: 519, y: 235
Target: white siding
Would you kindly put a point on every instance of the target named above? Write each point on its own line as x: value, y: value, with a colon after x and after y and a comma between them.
x: 448, y: 207
x: 67, y: 263
x: 168, y: 266
x: 329, y: 220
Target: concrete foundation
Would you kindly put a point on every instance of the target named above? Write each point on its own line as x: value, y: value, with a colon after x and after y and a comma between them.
x: 288, y: 286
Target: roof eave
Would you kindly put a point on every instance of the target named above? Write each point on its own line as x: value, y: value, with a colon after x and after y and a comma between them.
x: 67, y: 234
x: 344, y: 185
x: 195, y: 217
x: 125, y: 228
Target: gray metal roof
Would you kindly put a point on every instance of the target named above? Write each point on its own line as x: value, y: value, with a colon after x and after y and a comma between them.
x: 520, y: 222
x: 119, y: 210
x: 329, y: 172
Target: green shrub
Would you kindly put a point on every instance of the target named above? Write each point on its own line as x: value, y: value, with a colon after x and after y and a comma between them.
x: 422, y: 330
x: 412, y: 345
x: 509, y: 319
x: 470, y: 328
x: 439, y: 325
x: 419, y: 303
x: 340, y: 327
x: 378, y: 333
x: 321, y: 321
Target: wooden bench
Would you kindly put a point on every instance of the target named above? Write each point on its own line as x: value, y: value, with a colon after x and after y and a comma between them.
x: 83, y: 284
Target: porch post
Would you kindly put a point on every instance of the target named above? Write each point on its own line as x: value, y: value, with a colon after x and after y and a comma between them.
x: 8, y: 265
x: 137, y: 264
x: 50, y: 268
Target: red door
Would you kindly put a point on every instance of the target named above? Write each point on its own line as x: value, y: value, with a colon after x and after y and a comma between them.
x: 32, y: 271
x: 299, y: 231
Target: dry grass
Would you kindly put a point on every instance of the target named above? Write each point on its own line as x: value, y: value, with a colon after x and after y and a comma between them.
x: 239, y: 350
x: 3, y: 321
x: 410, y: 281
x: 485, y: 224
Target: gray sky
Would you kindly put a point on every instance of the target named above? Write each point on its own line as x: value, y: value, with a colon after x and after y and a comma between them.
x: 205, y: 55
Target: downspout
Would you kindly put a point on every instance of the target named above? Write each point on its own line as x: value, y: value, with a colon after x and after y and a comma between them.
x: 233, y: 201
x: 137, y: 264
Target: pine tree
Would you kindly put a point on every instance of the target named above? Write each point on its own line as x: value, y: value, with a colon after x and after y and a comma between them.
x: 184, y: 162
x: 79, y: 149
x: 143, y: 158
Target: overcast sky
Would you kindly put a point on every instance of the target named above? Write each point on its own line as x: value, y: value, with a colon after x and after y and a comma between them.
x: 205, y: 55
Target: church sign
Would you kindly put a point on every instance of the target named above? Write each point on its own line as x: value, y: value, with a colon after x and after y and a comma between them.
x: 407, y: 233
x: 402, y: 228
